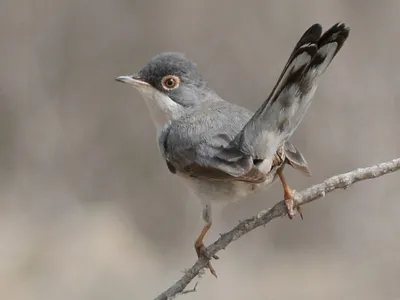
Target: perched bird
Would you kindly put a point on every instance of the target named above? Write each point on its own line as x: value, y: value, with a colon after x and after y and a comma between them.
x: 223, y: 151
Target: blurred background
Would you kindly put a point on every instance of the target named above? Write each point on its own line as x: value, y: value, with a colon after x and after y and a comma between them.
x: 88, y: 209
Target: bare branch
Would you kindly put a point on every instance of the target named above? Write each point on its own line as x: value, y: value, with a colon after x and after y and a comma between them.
x: 317, y: 191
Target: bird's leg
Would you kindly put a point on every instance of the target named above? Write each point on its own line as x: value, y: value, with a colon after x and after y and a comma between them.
x: 201, y: 250
x: 288, y: 196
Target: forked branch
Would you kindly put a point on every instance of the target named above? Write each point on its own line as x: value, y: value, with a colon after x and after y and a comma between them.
x: 315, y: 192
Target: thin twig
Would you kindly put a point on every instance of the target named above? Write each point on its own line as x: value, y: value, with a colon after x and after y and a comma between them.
x: 317, y: 191
x: 191, y: 290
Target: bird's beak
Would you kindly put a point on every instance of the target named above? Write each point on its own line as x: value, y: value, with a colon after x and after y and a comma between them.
x: 132, y: 79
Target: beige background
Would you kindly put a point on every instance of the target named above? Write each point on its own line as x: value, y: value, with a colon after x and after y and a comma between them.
x: 88, y: 209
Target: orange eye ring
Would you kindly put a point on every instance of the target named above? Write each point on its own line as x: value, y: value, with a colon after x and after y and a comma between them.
x: 170, y: 82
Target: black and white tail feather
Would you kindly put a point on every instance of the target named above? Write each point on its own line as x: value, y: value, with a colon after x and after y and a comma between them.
x: 276, y: 120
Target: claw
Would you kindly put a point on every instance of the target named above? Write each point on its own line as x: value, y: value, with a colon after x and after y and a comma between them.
x: 212, y: 271
x: 300, y: 213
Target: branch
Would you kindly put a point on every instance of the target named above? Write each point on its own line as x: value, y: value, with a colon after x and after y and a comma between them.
x: 342, y: 181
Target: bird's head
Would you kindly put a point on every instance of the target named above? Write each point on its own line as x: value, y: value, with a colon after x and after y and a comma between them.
x: 170, y: 84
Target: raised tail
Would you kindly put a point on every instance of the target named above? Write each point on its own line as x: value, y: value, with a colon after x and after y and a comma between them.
x: 276, y: 120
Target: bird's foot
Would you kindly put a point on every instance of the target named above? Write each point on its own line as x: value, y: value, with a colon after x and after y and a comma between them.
x: 201, y: 251
x: 289, y: 195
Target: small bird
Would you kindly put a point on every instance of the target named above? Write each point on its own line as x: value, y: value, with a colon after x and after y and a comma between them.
x: 221, y: 150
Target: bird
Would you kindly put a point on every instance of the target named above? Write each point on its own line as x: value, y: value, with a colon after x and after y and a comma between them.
x: 221, y: 150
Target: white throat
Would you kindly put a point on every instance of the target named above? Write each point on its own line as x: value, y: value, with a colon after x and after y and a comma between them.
x: 162, y: 109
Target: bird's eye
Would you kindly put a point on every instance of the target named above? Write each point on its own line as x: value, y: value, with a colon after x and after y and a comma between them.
x: 170, y: 82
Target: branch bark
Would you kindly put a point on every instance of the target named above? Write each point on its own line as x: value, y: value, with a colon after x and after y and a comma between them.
x: 317, y: 191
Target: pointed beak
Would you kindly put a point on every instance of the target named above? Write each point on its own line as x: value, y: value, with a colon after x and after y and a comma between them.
x: 132, y: 79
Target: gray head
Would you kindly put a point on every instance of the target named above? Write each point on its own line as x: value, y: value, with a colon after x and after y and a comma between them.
x: 170, y: 83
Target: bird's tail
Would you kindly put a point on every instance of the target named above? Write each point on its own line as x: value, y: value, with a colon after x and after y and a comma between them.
x: 278, y: 117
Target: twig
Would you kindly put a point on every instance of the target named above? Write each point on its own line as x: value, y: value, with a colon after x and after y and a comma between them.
x: 191, y: 290
x: 342, y: 181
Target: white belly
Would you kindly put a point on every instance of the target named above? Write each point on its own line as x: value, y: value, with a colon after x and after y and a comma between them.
x: 225, y: 191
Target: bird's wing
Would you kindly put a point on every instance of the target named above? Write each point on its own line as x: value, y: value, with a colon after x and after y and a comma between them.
x: 199, y: 145
x: 254, y: 175
x: 276, y: 120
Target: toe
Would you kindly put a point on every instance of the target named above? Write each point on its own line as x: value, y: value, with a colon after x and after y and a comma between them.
x: 201, y: 250
x: 212, y: 270
x: 300, y: 212
x: 289, y: 207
